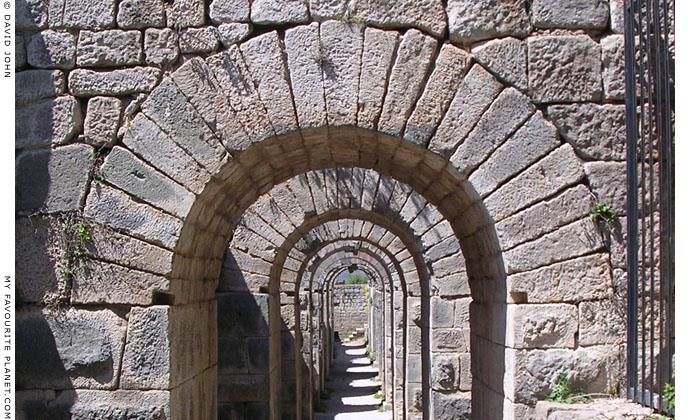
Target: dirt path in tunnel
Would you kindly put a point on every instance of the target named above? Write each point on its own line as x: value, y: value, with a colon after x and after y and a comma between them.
x: 353, y: 390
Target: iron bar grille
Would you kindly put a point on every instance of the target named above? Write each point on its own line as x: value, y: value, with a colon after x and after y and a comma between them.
x: 649, y: 79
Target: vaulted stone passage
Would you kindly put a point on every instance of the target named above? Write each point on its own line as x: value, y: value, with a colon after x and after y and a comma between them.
x: 211, y: 233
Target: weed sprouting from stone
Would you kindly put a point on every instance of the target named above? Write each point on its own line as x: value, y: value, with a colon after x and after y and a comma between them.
x: 565, y: 394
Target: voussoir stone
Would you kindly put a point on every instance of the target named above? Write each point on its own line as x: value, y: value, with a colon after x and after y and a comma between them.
x: 122, y: 169
x: 613, y: 60
x: 69, y: 348
x: 377, y: 56
x: 564, y: 68
x: 427, y: 15
x: 140, y: 14
x: 506, y: 58
x: 582, y: 14
x: 161, y: 47
x: 321, y: 10
x: 31, y: 15
x: 109, y: 48
x: 32, y: 85
x: 232, y: 33
x: 51, y: 49
x: 185, y: 13
x: 583, y: 278
x: 102, y: 121
x: 595, y: 131
x: 48, y: 121
x: 53, y: 180
x: 271, y: 12
x: 472, y: 20
x: 223, y: 11
x: 608, y: 183
x: 542, y: 326
x: 199, y: 40
x: 116, y: 82
x: 82, y: 14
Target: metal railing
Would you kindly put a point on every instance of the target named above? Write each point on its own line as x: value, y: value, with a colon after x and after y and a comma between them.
x: 649, y: 72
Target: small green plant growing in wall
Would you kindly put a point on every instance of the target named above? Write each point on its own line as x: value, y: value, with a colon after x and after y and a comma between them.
x: 604, y: 212
x: 669, y: 395
x: 565, y: 394
x: 76, y: 234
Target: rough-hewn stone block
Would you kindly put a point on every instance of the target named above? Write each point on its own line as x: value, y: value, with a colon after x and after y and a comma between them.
x: 53, y: 180
x: 506, y: 58
x: 32, y: 85
x: 427, y: 15
x: 232, y: 33
x: 39, y: 260
x: 471, y: 20
x: 115, y: 209
x: 146, y: 361
x: 52, y: 50
x: 70, y: 348
x: 541, y: 326
x: 46, y: 122
x: 140, y: 14
x: 102, y: 121
x: 616, y: 9
x: 82, y: 14
x: 452, y: 406
x: 221, y: 11
x: 161, y: 47
x: 31, y: 15
x: 115, y: 82
x: 198, y: 40
x: 595, y: 131
x: 587, y: 14
x: 613, y: 60
x: 377, y: 55
x: 602, y: 322
x: 272, y: 12
x: 445, y: 372
x: 185, y: 13
x: 110, y: 48
x: 450, y: 340
x: 608, y: 182
x: 321, y: 10
x: 442, y: 313
x: 564, y: 68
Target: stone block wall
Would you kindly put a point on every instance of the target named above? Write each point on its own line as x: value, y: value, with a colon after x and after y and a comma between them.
x: 350, y: 308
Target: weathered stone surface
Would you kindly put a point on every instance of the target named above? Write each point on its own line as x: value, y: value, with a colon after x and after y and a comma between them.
x: 506, y: 58
x: 510, y: 109
x: 46, y: 122
x: 32, y: 85
x: 264, y: 59
x: 602, y: 322
x: 303, y: 55
x: 53, y: 180
x: 185, y: 13
x: 148, y: 141
x: 450, y: 340
x: 595, y: 131
x: 471, y: 20
x: 271, y: 12
x: 140, y: 14
x: 161, y: 47
x: 592, y: 369
x: 110, y: 48
x: 476, y: 92
x: 146, y: 361
x: 585, y: 14
x: 168, y: 107
x: 82, y: 14
x: 221, y: 11
x: 243, y: 388
x: 232, y: 33
x: 541, y: 326
x: 90, y: 404
x: 579, y: 279
x: 52, y: 50
x: 115, y: 209
x: 533, y: 140
x: 39, y: 260
x: 451, y: 65
x: 102, y: 121
x: 427, y: 15
x: 564, y: 68
x: 321, y: 10
x: 462, y: 312
x: 122, y: 169
x: 377, y: 55
x: 616, y: 9
x: 445, y: 372
x: 406, y: 79
x: 19, y: 51
x: 452, y: 406
x: 608, y: 183
x: 31, y: 15
x: 544, y: 217
x: 97, y: 282
x: 341, y: 55
x: 69, y: 348
x: 442, y: 313
x: 242, y: 314
x: 115, y: 82
x: 199, y: 40
x: 573, y: 240
x: 613, y: 60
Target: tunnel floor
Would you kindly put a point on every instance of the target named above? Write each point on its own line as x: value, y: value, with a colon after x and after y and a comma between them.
x: 352, y: 388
